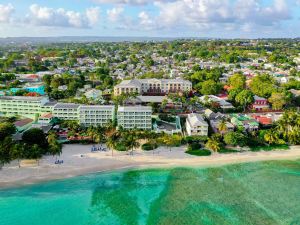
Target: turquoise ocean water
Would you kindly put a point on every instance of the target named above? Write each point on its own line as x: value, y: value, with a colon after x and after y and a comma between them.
x: 252, y: 193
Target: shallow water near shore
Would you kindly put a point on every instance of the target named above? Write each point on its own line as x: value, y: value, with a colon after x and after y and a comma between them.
x: 249, y: 193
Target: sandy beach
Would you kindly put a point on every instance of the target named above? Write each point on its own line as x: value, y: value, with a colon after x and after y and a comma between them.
x: 78, y: 160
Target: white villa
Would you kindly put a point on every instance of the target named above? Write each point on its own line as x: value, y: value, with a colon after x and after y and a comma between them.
x: 196, y: 125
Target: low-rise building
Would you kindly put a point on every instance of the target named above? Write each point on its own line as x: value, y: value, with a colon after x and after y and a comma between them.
x: 93, y: 94
x: 45, y: 119
x: 131, y: 117
x: 196, y: 125
x: 23, y: 124
x: 220, y: 101
x: 260, y: 104
x: 244, y: 122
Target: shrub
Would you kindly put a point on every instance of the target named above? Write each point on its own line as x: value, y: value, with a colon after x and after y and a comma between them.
x: 199, y: 152
x: 191, y: 139
x: 194, y: 146
x: 120, y: 147
x: 149, y: 147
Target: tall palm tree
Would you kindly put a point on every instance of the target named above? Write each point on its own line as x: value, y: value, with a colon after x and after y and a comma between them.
x: 131, y: 140
x: 112, y: 140
x: 100, y: 134
x: 55, y: 148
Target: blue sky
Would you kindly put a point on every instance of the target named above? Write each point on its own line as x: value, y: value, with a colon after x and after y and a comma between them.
x: 163, y: 18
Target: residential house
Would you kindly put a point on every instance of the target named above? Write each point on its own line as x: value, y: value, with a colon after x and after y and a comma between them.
x: 215, y: 119
x: 93, y: 94
x: 244, y: 122
x: 259, y: 104
x: 196, y: 125
x: 220, y: 101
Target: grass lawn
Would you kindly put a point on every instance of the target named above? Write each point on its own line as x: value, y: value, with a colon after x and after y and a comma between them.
x: 199, y: 152
x: 269, y: 148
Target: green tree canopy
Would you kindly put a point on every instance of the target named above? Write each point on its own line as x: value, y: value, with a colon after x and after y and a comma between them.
x: 244, y: 98
x: 278, y: 100
x: 6, y: 129
x: 35, y: 136
x: 210, y: 87
x: 263, y: 85
x: 237, y: 81
x: 235, y: 139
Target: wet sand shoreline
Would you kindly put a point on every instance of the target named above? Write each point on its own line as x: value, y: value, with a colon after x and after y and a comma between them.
x: 78, y: 160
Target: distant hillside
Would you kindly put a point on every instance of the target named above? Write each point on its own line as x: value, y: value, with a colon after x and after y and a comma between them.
x: 80, y: 39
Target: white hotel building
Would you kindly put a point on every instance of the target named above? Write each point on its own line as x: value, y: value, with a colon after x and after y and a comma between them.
x: 30, y: 107
x: 128, y: 117
x: 152, y: 86
x: 66, y: 111
x: 131, y: 117
x: 96, y: 114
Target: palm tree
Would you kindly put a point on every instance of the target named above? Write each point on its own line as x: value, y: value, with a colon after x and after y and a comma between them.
x: 222, y: 127
x: 17, y: 152
x: 213, y: 144
x: 288, y: 127
x: 131, y: 140
x: 92, y: 133
x: 5, y: 154
x: 113, y: 137
x: 100, y: 134
x: 271, y: 136
x: 55, y: 148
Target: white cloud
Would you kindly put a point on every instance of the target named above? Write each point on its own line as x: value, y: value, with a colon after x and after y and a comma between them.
x: 93, y: 15
x: 6, y: 12
x: 44, y: 16
x: 115, y: 14
x: 145, y: 20
x: 208, y: 14
x: 130, y: 2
